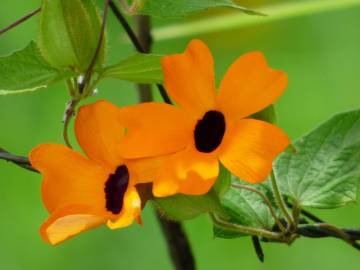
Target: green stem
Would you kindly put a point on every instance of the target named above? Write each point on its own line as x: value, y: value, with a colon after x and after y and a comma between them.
x: 280, y: 200
x: 296, y: 214
x: 267, y: 202
x: 236, y: 20
x: 246, y: 230
x: 340, y: 233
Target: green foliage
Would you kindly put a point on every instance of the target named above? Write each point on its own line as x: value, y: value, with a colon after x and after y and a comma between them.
x: 268, y: 114
x: 223, y: 182
x: 247, y: 208
x: 325, y: 170
x: 226, y: 22
x: 25, y: 71
x: 69, y: 33
x: 183, y: 207
x: 180, y: 8
x: 139, y: 68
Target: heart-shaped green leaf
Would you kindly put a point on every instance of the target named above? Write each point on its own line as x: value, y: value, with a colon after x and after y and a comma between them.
x: 180, y: 8
x: 183, y: 207
x: 325, y: 170
x: 26, y: 71
x: 247, y: 208
x: 139, y: 68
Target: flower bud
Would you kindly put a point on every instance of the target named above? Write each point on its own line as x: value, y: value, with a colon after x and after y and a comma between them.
x: 69, y: 33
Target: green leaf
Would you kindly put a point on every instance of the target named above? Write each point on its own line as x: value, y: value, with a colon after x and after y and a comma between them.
x: 69, y: 33
x: 139, y: 68
x: 325, y: 170
x: 26, y: 71
x: 268, y: 114
x: 180, y: 8
x: 226, y: 22
x: 246, y: 208
x: 183, y: 207
x: 223, y: 182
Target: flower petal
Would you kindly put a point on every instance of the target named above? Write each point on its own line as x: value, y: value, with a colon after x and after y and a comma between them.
x: 249, y: 86
x: 131, y: 210
x: 144, y: 170
x: 69, y: 178
x: 189, y: 78
x: 188, y: 172
x: 155, y: 129
x: 249, y: 147
x: 69, y: 221
x: 99, y: 132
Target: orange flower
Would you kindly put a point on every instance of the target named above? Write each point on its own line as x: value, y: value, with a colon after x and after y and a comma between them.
x: 84, y: 192
x: 206, y: 126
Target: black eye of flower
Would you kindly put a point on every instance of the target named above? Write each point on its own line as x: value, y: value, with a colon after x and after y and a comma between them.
x: 115, y: 188
x: 209, y: 131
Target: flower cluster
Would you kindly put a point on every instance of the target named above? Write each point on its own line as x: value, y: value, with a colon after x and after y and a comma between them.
x: 176, y: 148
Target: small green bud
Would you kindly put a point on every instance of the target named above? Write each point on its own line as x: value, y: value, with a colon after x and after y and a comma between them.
x: 268, y: 114
x: 69, y: 33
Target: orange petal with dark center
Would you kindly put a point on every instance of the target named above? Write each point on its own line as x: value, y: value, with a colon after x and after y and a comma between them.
x: 69, y: 221
x: 249, y: 148
x: 188, y: 172
x: 99, y: 132
x: 69, y: 178
x: 249, y: 86
x: 189, y: 78
x: 155, y: 129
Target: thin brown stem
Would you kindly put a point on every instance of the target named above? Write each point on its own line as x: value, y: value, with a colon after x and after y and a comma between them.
x: 280, y: 200
x: 143, y: 24
x: 340, y: 233
x: 71, y: 106
x: 124, y: 5
x: 247, y: 230
x: 258, y: 249
x: 92, y: 64
x: 306, y: 213
x: 178, y: 244
x: 266, y: 200
x: 135, y: 41
x: 21, y: 161
x: 20, y: 21
x: 68, y: 115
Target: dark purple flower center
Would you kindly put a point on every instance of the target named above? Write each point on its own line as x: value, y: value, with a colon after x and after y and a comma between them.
x: 209, y: 131
x: 115, y: 188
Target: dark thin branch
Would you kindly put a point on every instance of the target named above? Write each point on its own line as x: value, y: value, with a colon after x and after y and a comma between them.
x: 126, y: 27
x: 143, y: 24
x: 23, y: 162
x: 178, y: 244
x: 135, y: 41
x: 71, y: 106
x: 20, y: 21
x: 306, y: 214
x: 323, y: 230
x: 177, y: 241
x: 92, y: 64
x: 258, y: 249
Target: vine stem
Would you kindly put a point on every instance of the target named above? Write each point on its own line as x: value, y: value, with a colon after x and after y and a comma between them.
x: 246, y: 230
x: 280, y: 199
x: 266, y: 200
x: 135, y: 41
x: 339, y: 233
x: 84, y: 84
x: 92, y: 64
x: 20, y: 21
x: 178, y: 244
x: 20, y: 161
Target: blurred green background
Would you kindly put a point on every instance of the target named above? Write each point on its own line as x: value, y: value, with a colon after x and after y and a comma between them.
x: 322, y: 57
